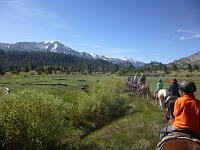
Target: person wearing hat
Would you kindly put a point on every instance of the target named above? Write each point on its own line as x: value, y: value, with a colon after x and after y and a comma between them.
x: 142, y: 80
x: 135, y: 80
x: 158, y: 87
x: 174, y: 88
x: 186, y: 111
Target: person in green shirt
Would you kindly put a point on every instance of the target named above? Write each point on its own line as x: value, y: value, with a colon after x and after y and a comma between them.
x: 158, y: 87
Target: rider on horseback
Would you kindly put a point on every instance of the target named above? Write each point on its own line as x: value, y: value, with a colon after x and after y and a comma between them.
x: 142, y: 80
x: 158, y: 87
x: 186, y: 112
x: 135, y: 80
x: 174, y: 88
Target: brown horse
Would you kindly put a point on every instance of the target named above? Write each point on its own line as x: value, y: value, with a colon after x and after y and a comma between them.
x: 132, y: 85
x: 169, y: 105
x: 180, y: 144
x: 134, y: 88
x: 144, y: 90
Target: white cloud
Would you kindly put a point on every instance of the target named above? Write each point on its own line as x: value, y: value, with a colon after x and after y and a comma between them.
x: 192, y: 34
x: 188, y: 31
x: 182, y: 38
x: 190, y: 37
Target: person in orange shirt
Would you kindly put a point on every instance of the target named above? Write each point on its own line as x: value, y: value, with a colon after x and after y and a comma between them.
x: 186, y: 111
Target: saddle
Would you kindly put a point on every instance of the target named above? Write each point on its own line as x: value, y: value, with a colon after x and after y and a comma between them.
x: 179, y: 134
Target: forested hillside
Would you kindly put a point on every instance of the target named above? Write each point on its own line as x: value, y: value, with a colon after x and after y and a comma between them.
x: 56, y: 63
x: 48, y: 62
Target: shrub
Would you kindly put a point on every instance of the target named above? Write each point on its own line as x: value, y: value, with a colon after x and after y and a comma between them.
x: 16, y: 76
x: 31, y: 120
x: 8, y: 75
x: 119, y: 73
x: 106, y: 99
x: 110, y: 97
x: 23, y: 74
x: 32, y: 72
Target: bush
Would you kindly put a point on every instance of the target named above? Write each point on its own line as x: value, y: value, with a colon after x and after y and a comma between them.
x: 8, y: 75
x: 106, y: 99
x: 119, y: 73
x: 32, y: 72
x: 23, y: 74
x: 31, y: 120
x: 16, y: 76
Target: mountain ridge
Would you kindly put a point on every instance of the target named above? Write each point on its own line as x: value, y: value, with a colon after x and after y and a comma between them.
x: 193, y: 60
x: 55, y: 46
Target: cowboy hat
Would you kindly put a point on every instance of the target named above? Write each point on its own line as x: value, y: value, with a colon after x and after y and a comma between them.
x: 173, y: 80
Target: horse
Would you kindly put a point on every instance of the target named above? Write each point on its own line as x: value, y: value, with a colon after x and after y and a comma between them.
x: 144, y: 90
x: 132, y: 85
x: 129, y: 83
x: 180, y: 144
x: 134, y: 88
x: 161, y: 96
x: 169, y: 106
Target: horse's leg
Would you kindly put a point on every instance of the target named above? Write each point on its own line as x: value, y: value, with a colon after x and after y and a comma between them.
x: 160, y: 103
x: 134, y: 91
x: 143, y: 94
x: 156, y: 101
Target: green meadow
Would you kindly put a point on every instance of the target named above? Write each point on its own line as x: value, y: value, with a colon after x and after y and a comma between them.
x: 80, y: 112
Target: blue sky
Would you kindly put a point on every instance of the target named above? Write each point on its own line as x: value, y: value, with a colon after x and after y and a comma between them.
x: 144, y: 30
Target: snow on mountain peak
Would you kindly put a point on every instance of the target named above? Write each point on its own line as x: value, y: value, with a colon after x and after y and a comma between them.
x: 55, y: 46
x: 53, y: 49
x: 51, y: 41
x: 126, y: 59
x: 94, y: 55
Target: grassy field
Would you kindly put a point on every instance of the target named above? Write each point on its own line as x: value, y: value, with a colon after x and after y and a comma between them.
x: 136, y: 131
x: 152, y: 81
x: 59, y: 85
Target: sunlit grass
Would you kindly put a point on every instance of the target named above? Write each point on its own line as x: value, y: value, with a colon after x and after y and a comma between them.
x: 139, y: 130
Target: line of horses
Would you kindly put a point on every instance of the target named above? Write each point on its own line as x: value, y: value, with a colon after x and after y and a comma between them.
x: 163, y: 100
x: 139, y: 90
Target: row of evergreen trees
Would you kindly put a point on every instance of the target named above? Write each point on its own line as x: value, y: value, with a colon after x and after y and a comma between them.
x: 48, y: 62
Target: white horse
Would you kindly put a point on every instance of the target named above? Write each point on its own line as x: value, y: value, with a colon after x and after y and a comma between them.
x: 160, y: 98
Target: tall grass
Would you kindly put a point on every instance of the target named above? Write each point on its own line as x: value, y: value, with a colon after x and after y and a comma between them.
x: 105, y: 100
x: 137, y: 131
x: 31, y: 119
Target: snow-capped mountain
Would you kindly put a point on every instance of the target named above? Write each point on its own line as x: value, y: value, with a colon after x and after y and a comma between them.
x: 55, y: 46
